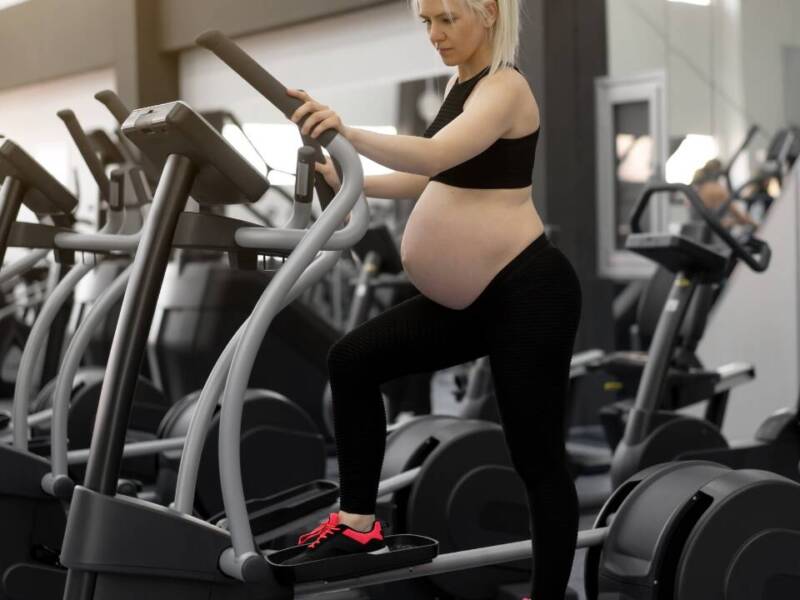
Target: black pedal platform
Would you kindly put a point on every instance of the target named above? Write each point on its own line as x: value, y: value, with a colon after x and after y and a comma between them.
x: 404, y: 551
x: 5, y: 419
x: 271, y: 512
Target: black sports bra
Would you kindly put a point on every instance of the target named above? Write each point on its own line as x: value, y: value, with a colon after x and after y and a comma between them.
x: 506, y: 164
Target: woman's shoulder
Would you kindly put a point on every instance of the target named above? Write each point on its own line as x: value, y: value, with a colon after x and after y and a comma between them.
x: 512, y: 84
x: 510, y: 79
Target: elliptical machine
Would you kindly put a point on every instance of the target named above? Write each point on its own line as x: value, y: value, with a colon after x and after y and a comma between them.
x: 36, y: 492
x: 652, y: 435
x: 687, y: 510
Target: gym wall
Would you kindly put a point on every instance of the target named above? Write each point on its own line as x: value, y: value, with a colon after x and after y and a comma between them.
x: 29, y: 117
x: 758, y: 321
x: 699, y: 48
x: 354, y: 63
x: 49, y: 39
x: 724, y: 62
x: 769, y: 36
x: 149, y: 44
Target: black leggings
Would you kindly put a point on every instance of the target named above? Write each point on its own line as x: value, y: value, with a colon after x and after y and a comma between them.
x: 525, y: 320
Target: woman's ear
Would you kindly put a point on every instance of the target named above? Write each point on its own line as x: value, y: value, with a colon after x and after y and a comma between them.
x: 491, y: 13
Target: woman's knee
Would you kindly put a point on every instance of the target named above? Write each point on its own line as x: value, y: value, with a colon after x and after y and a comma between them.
x: 538, y: 460
x: 343, y: 356
x: 355, y: 352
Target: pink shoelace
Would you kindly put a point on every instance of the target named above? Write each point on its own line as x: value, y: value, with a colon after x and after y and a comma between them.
x: 321, y: 532
x: 327, y: 530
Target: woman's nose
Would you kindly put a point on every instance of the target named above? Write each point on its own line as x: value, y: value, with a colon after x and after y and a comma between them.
x: 436, y: 35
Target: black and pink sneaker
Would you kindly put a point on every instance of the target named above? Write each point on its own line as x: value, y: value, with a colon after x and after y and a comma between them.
x: 333, y: 539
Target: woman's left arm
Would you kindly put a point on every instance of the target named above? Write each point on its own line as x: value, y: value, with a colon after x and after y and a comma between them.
x: 488, y: 117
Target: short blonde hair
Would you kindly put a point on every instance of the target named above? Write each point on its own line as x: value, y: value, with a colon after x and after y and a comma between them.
x: 504, y: 33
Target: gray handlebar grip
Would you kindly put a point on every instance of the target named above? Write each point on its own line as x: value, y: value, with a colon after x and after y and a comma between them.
x: 306, y: 175
x: 85, y: 148
x: 114, y: 104
x: 325, y: 192
x: 117, y: 107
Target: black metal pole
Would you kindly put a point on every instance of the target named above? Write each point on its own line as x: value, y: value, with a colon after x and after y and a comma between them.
x: 10, y: 200
x: 130, y: 338
x: 136, y: 314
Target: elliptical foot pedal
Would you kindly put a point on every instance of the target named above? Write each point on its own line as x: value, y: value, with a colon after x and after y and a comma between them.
x: 5, y: 419
x: 271, y: 512
x: 404, y: 551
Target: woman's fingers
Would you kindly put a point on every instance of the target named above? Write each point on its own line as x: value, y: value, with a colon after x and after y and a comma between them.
x: 328, y: 120
x: 319, y: 121
x: 307, y: 106
x: 305, y: 109
x: 316, y: 117
x: 329, y: 174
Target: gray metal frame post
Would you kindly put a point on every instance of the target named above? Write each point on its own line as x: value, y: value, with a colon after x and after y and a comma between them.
x: 130, y: 338
x: 36, y: 342
x: 626, y: 456
x: 62, y: 392
x: 116, y: 397
x: 10, y: 201
x: 653, y: 376
x: 215, y: 384
x: 233, y: 560
x: 22, y: 265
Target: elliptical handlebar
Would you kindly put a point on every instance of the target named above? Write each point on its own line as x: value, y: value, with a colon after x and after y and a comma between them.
x: 114, y: 104
x: 242, y: 560
x: 755, y: 253
x: 254, y: 74
x: 273, y: 90
x: 85, y: 148
x: 120, y: 111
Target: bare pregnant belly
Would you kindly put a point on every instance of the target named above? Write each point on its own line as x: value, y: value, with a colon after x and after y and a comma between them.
x: 456, y: 240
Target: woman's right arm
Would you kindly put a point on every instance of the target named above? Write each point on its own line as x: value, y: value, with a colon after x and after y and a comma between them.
x: 395, y: 186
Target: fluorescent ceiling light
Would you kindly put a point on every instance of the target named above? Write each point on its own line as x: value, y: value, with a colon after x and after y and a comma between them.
x: 695, y: 2
x: 278, y: 144
x: 8, y: 3
x: 693, y: 153
x: 636, y: 158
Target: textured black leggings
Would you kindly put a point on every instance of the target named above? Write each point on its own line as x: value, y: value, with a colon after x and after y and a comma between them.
x: 525, y: 321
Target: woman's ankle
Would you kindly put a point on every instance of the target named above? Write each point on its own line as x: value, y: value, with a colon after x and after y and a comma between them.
x: 358, y: 522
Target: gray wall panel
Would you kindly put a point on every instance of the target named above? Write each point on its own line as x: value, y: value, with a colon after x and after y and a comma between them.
x: 183, y: 20
x: 44, y: 39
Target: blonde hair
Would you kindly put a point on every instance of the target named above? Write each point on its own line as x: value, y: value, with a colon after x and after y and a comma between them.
x: 504, y: 35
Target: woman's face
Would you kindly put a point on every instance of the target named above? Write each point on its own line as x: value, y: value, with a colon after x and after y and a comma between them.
x: 453, y: 29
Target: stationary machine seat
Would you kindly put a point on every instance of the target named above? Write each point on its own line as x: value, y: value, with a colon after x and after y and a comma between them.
x: 682, y: 387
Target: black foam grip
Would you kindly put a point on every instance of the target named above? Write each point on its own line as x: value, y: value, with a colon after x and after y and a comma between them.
x: 85, y: 148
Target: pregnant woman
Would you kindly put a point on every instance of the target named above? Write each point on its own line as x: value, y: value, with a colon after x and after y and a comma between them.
x: 490, y: 284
